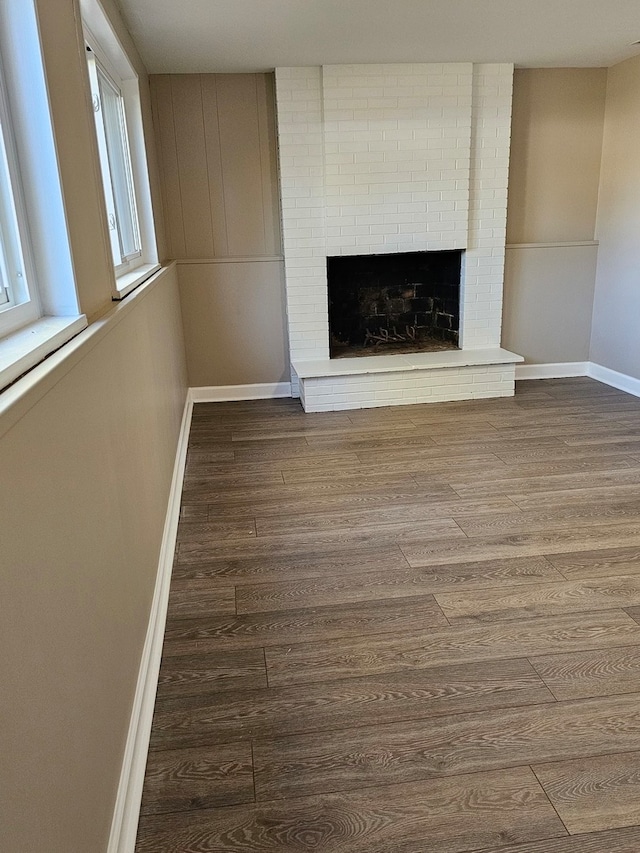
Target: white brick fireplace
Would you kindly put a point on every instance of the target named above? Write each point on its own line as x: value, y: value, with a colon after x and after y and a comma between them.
x: 395, y: 158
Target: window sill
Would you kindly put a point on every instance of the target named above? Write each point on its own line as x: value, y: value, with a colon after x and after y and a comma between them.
x: 25, y: 348
x: 130, y: 280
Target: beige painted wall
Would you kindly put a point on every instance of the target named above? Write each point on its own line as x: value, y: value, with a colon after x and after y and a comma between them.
x: 86, y: 458
x: 616, y: 314
x: 87, y: 447
x: 217, y: 153
x: 548, y: 302
x: 556, y: 142
x: 234, y: 322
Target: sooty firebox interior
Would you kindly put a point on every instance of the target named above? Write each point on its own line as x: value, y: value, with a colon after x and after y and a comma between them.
x: 397, y: 303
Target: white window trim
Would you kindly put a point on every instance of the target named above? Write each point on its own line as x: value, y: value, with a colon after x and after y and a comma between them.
x: 130, y: 280
x: 27, y: 347
x: 107, y: 188
x: 22, y: 308
x: 52, y: 315
x: 104, y: 42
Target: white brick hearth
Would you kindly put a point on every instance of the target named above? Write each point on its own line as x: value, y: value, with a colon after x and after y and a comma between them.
x: 395, y: 158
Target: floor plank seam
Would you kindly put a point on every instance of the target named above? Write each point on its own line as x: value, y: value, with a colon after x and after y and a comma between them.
x: 459, y: 528
x: 607, y: 754
x: 253, y: 773
x: 440, y: 608
x: 543, y: 679
x: 542, y: 788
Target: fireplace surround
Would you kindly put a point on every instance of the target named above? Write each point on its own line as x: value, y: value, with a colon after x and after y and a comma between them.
x: 391, y: 159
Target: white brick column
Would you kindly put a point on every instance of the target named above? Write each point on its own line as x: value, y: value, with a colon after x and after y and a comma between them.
x: 483, y: 274
x: 301, y: 149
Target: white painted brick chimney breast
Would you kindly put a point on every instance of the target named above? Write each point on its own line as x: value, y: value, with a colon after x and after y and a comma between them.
x: 397, y: 149
x: 393, y: 158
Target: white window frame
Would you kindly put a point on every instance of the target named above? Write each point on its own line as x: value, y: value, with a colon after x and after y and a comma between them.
x: 107, y: 53
x: 22, y: 302
x: 50, y: 315
x: 101, y: 75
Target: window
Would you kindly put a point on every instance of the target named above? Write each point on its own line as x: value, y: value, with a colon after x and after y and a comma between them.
x: 120, y: 141
x: 39, y: 308
x: 11, y: 262
x: 17, y: 307
x: 115, y: 160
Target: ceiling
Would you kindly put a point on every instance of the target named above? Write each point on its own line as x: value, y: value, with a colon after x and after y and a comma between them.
x: 187, y: 36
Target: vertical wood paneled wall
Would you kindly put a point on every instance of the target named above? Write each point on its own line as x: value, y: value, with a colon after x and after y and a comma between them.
x: 217, y: 149
x: 216, y: 140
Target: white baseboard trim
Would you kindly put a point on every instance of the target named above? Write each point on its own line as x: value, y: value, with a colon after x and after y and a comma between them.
x: 126, y: 814
x: 228, y: 393
x: 560, y: 370
x: 614, y: 379
x: 580, y: 368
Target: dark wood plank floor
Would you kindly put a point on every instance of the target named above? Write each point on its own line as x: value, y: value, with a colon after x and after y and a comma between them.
x: 404, y: 630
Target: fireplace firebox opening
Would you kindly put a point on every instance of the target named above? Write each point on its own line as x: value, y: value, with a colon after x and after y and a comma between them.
x: 396, y: 303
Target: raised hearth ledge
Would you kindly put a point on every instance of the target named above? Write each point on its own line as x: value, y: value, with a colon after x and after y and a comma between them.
x: 307, y: 369
x: 328, y: 385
